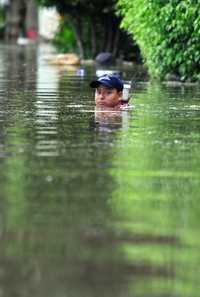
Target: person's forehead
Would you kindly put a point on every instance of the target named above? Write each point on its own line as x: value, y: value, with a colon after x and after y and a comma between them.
x: 102, y: 87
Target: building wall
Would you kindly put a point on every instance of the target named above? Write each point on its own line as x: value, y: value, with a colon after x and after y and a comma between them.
x: 48, y: 22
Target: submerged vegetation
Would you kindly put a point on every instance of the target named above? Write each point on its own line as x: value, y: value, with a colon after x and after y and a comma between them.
x: 168, y: 34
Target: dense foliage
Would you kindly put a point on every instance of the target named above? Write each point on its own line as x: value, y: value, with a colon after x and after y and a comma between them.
x: 168, y: 34
x: 64, y: 39
x: 95, y: 26
x: 2, y: 22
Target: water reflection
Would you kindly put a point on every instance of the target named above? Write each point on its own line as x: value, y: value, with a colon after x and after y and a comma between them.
x: 95, y: 203
x: 106, y: 120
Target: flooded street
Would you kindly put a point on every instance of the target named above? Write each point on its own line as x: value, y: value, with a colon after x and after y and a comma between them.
x: 95, y: 204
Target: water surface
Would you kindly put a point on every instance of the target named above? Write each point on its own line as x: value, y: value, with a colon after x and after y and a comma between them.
x: 96, y: 204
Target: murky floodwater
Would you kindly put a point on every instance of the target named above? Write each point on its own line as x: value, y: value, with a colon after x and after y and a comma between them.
x: 96, y: 204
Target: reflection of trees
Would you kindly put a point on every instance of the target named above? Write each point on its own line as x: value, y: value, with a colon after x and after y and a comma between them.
x: 91, y: 211
x: 17, y: 77
x: 21, y: 69
x: 153, y: 200
x: 17, y: 84
x: 52, y: 202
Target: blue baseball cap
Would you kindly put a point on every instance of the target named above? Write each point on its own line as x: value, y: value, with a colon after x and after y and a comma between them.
x: 109, y: 81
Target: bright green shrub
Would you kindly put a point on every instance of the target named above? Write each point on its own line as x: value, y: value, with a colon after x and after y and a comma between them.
x: 168, y: 34
x: 64, y: 39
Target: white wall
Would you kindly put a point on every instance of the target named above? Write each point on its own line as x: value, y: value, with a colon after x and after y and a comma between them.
x: 4, y: 2
x: 48, y: 22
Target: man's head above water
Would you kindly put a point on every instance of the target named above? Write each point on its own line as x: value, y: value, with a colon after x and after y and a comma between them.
x: 109, y: 90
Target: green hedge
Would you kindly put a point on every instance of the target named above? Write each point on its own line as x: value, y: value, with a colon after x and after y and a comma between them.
x: 168, y: 34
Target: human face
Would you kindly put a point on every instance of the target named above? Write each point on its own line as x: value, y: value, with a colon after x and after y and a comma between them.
x: 107, y: 97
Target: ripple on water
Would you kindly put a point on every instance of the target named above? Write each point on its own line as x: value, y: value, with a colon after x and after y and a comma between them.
x: 110, y: 204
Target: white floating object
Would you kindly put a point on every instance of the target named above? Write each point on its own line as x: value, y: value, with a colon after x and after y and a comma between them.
x: 126, y: 90
x: 101, y: 72
x: 23, y: 41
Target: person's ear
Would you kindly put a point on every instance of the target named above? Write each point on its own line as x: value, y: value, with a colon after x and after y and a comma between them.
x: 120, y: 95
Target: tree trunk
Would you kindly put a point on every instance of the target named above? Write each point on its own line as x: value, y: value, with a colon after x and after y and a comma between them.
x: 116, y: 43
x: 93, y: 37
x: 20, y: 17
x: 104, y: 30
x: 32, y: 16
x: 76, y: 27
x: 13, y: 20
x: 110, y: 35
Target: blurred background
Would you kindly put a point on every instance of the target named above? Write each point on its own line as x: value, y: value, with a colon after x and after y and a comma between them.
x: 84, y: 27
x: 18, y: 18
x: 163, y: 35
